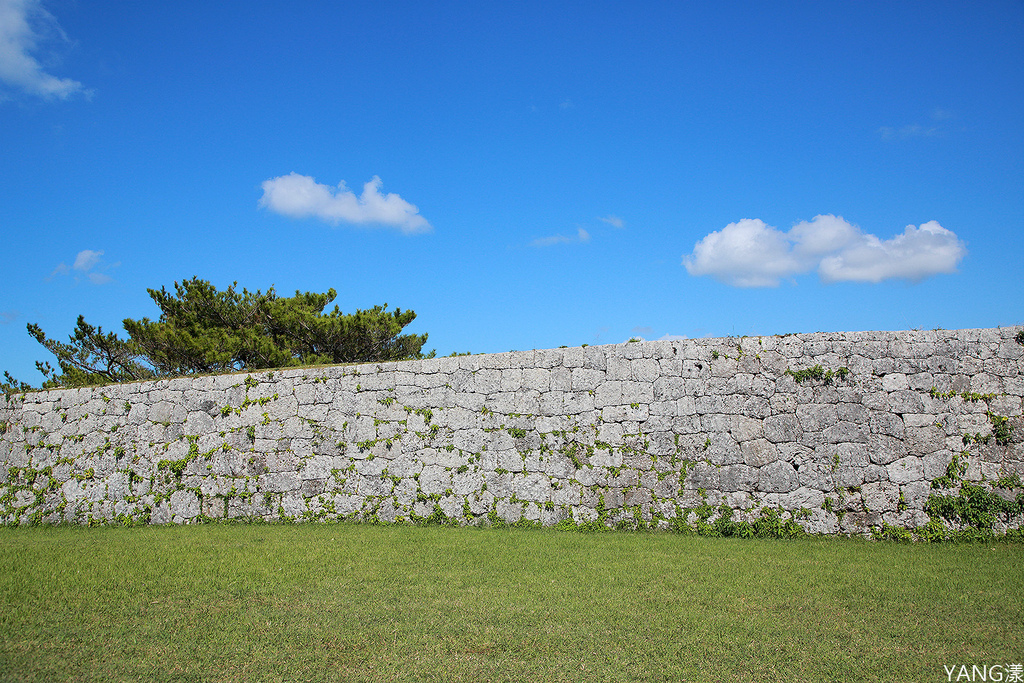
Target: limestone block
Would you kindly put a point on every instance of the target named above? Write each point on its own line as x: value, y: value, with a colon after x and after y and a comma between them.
x: 846, y: 475
x: 803, y: 497
x: 556, y: 465
x: 815, y: 475
x: 480, y: 504
x: 915, y: 494
x: 732, y: 478
x: 884, y: 449
x: 881, y: 496
x: 777, y: 477
x: 610, y: 433
x: 644, y: 370
x: 510, y: 459
x: 161, y: 514
x: 875, y: 472
x: 594, y: 358
x: 282, y: 408
x: 624, y: 413
x: 759, y: 452
x: 606, y: 457
x: 532, y: 487
x: 992, y: 470
x: 702, y: 476
x: 901, y: 402
x: 312, y: 487
x: 722, y: 451
x: 469, y: 400
x: 276, y: 482
x: 637, y: 392
x: 1006, y: 405
x: 465, y: 483
x: 886, y: 423
x: 509, y: 512
x: 815, y: 417
x: 754, y: 406
x: 434, y: 479
x: 537, y: 379
x: 876, y: 401
x: 317, y: 467
x: 853, y: 454
x: 292, y: 504
x: 923, y: 440
x: 846, y: 432
x: 895, y: 381
x: 906, y: 470
x: 551, y: 403
x: 745, y: 428
x: 921, y: 381
x: 527, y: 402
x: 856, y: 413
x: 575, y: 403
x: 618, y: 367
x: 184, y: 505
x: 667, y: 388
x: 935, y: 464
x: 280, y: 460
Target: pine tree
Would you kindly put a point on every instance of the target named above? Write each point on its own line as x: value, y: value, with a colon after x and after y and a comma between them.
x: 203, y: 330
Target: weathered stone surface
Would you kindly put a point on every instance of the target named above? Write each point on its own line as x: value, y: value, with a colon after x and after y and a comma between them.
x: 905, y: 470
x: 777, y: 477
x: 539, y: 435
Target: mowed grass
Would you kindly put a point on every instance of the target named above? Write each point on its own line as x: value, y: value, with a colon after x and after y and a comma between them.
x: 347, y: 602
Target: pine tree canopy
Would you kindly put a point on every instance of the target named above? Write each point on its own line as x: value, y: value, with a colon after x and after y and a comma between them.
x: 202, y: 330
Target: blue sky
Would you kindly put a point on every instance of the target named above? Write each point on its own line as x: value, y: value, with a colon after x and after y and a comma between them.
x: 522, y: 175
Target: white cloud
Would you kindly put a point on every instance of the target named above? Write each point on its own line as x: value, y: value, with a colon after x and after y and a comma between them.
x: 747, y: 253
x: 24, y: 24
x: 612, y: 220
x: 99, y: 278
x: 300, y: 196
x: 581, y: 236
x: 750, y: 253
x: 8, y: 317
x: 85, y: 265
x: 913, y: 130
x: 86, y: 259
x: 914, y: 255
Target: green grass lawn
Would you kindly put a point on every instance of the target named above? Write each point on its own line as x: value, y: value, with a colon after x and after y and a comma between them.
x: 358, y: 602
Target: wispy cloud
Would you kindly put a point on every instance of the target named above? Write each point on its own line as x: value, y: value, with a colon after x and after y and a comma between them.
x: 8, y: 317
x: 914, y: 130
x: 300, y: 196
x: 750, y: 253
x: 937, y: 127
x: 88, y: 264
x: 612, y: 220
x: 581, y: 236
x: 24, y: 26
x: 86, y: 259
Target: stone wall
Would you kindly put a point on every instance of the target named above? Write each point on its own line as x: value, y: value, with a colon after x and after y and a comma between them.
x: 838, y: 432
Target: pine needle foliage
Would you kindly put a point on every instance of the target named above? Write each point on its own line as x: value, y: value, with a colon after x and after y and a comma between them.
x: 204, y: 330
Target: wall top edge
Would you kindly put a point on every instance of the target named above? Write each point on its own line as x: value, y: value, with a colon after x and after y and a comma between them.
x: 554, y: 357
